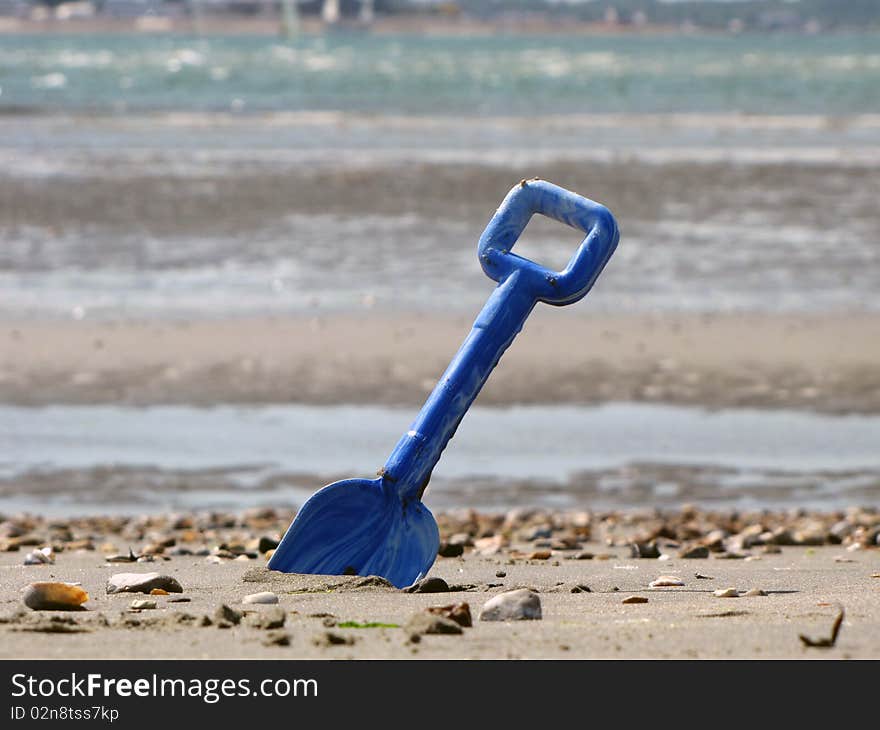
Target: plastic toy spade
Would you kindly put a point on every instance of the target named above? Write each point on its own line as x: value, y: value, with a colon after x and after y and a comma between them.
x: 380, y: 526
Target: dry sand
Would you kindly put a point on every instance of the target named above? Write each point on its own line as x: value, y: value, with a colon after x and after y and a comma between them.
x: 804, y: 586
x: 825, y: 362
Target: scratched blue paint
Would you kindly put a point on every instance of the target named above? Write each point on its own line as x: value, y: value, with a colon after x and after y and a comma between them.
x: 380, y: 526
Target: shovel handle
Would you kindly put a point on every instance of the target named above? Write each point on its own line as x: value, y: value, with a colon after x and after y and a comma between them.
x: 511, y: 218
x: 521, y: 285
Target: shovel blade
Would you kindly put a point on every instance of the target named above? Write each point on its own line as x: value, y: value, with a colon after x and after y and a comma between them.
x: 360, y: 527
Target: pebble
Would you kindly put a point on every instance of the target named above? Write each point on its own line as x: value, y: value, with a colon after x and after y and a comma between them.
x: 266, y: 597
x: 266, y: 544
x: 518, y: 605
x: 698, y: 551
x: 458, y: 612
x: 700, y: 576
x: 428, y: 585
x: 331, y: 638
x: 43, y: 556
x: 142, y: 583
x: 425, y: 622
x: 665, y: 581
x: 727, y: 593
x: 644, y: 550
x: 540, y: 555
x: 634, y: 599
x: 500, y: 574
x: 272, y: 618
x: 450, y: 550
x: 143, y: 605
x: 752, y: 592
x: 276, y: 638
x: 159, y: 592
x: 48, y: 596
x: 226, y: 616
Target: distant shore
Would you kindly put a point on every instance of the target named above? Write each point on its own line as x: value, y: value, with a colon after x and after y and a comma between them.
x: 269, y: 25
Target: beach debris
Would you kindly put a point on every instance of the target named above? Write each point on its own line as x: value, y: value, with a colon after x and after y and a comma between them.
x: 272, y: 618
x: 175, y: 599
x: 142, y: 605
x: 540, y: 555
x: 518, y: 605
x: 332, y: 638
x: 695, y: 552
x: 634, y: 599
x: 264, y: 597
x: 450, y: 550
x: 49, y: 596
x: 727, y: 593
x: 43, y: 556
x: 666, y: 581
x: 489, y: 545
x: 276, y: 638
x: 458, y: 612
x: 830, y: 641
x: 753, y: 592
x: 500, y: 574
x: 159, y: 592
x: 142, y: 583
x: 226, y: 617
x: 425, y: 622
x: 580, y: 555
x: 700, y: 576
x: 428, y: 585
x: 580, y: 588
x: 122, y: 557
x: 644, y: 550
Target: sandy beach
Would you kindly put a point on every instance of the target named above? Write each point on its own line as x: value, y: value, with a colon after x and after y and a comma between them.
x: 581, y: 584
x: 819, y: 362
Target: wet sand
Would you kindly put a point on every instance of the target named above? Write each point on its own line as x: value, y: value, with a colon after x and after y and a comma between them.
x: 824, y: 362
x: 805, y: 584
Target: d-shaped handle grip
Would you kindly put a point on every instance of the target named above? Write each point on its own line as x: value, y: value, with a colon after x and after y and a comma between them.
x: 537, y: 196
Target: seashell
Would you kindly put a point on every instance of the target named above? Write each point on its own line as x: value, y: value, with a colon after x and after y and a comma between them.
x: 727, y: 593
x: 143, y: 605
x: 48, y: 596
x: 752, y: 592
x: 43, y: 556
x: 665, y: 581
x: 264, y: 597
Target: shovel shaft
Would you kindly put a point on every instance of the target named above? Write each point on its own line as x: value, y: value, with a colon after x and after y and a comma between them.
x: 410, y: 464
x: 521, y: 285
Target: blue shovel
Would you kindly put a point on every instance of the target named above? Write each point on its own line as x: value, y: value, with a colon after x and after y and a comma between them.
x: 380, y: 526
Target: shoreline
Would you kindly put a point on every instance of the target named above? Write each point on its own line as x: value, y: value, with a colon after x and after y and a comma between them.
x: 823, y: 362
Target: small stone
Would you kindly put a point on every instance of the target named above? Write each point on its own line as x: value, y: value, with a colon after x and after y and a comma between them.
x: 242, y: 558
x: 143, y: 605
x: 518, y: 605
x: 458, y: 612
x: 428, y: 585
x: 425, y: 622
x: 48, y: 596
x: 752, y: 592
x: 331, y: 638
x: 500, y: 574
x: 700, y: 576
x: 178, y: 599
x: 214, y: 560
x: 634, y: 599
x: 159, y: 592
x: 227, y: 615
x: 142, y: 583
x: 665, y: 581
x: 582, y: 555
x: 489, y: 545
x: 727, y: 593
x: 266, y: 544
x: 276, y: 638
x: 697, y: 551
x: 272, y: 618
x: 539, y: 555
x: 644, y: 550
x: 266, y: 597
x: 450, y: 550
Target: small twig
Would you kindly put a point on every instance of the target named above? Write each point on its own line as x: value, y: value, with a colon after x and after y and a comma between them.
x: 831, y: 640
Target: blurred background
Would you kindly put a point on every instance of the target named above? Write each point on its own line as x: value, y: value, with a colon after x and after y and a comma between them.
x: 238, y: 248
